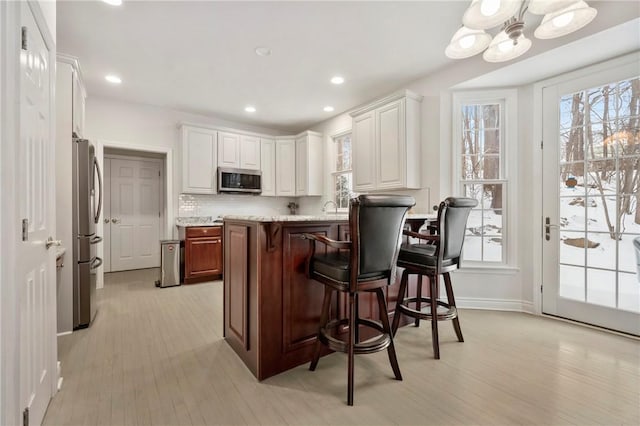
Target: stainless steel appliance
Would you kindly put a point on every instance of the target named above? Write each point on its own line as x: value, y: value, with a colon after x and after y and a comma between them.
x: 239, y: 180
x: 87, y: 204
x: 171, y: 261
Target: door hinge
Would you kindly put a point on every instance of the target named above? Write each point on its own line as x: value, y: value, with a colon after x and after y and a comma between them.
x: 159, y: 214
x: 541, y: 144
x: 158, y: 173
x: 540, y: 288
x: 24, y: 38
x: 25, y: 417
x: 25, y: 229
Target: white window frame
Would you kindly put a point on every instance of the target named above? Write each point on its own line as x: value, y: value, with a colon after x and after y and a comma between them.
x: 334, y: 172
x: 508, y: 101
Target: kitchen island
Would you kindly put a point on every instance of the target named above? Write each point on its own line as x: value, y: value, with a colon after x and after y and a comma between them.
x: 271, y: 309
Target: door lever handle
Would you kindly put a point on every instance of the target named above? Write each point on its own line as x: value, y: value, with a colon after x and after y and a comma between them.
x: 547, y: 228
x: 51, y: 242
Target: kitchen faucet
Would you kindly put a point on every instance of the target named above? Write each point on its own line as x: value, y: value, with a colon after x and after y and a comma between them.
x: 324, y: 207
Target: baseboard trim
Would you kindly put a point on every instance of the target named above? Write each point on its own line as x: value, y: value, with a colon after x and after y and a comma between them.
x: 495, y: 304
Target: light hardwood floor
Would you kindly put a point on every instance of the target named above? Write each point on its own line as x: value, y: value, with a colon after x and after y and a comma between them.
x: 156, y: 356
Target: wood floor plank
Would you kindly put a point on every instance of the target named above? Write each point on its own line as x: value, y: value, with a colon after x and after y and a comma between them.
x: 157, y: 356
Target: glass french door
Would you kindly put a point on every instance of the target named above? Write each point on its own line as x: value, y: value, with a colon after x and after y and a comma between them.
x: 591, y: 180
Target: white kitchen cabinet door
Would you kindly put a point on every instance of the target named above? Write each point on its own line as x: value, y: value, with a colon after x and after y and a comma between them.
x: 302, y: 154
x: 391, y: 149
x: 228, y: 150
x: 268, y: 166
x: 249, y: 152
x: 78, y: 105
x: 198, y: 160
x: 286, y: 167
x: 364, y: 152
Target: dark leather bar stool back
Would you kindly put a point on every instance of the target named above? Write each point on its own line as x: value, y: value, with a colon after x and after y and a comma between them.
x: 365, y: 263
x: 438, y: 255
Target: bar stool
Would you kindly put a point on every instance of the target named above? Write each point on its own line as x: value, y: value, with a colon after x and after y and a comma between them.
x: 439, y: 256
x: 375, y: 226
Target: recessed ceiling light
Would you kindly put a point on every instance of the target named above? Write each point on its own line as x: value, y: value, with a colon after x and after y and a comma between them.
x: 113, y: 79
x: 250, y: 108
x: 113, y: 2
x: 337, y: 79
x: 328, y: 108
x: 263, y: 51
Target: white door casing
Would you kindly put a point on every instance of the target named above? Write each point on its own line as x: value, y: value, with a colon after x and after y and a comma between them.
x: 135, y: 214
x: 106, y: 214
x: 35, y: 260
x: 557, y: 300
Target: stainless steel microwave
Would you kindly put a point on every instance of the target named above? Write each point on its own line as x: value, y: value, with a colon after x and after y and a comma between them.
x: 239, y: 180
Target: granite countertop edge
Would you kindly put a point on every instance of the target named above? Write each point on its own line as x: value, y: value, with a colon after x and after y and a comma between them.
x: 310, y: 218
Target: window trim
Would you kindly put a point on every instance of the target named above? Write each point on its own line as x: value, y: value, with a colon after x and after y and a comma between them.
x: 508, y: 99
x: 335, y: 172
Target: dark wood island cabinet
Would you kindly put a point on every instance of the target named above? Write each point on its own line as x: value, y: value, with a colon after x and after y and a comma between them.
x: 271, y: 309
x: 202, y: 253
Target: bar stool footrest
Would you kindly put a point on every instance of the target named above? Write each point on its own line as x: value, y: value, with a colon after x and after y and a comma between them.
x: 451, y: 313
x: 375, y: 344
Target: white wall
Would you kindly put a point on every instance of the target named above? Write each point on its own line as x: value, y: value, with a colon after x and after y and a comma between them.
x: 48, y: 8
x: 123, y: 122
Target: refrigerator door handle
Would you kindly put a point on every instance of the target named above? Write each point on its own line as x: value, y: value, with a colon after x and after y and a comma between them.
x: 96, y: 240
x: 99, y: 173
x: 97, y: 262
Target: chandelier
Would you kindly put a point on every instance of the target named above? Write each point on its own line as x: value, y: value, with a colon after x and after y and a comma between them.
x: 561, y: 17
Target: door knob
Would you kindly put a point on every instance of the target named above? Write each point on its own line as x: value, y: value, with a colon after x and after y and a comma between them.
x: 547, y: 228
x: 107, y: 220
x: 115, y: 220
x: 51, y: 242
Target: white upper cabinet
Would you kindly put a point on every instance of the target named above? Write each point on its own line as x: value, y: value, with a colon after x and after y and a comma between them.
x: 238, y: 151
x: 249, y: 152
x: 268, y: 166
x: 309, y: 163
x: 286, y: 167
x: 78, y: 104
x: 198, y: 160
x: 386, y: 143
x: 228, y: 150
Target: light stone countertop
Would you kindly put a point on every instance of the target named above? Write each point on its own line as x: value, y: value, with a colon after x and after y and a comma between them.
x: 312, y: 218
x: 185, y: 222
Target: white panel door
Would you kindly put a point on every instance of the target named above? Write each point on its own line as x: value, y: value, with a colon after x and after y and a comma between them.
x: 199, y: 162
x: 228, y: 150
x: 286, y: 167
x: 106, y: 214
x: 249, y: 152
x: 591, y: 229
x: 364, y: 148
x: 302, y: 168
x: 390, y: 146
x: 36, y: 266
x: 135, y: 214
x: 268, y: 166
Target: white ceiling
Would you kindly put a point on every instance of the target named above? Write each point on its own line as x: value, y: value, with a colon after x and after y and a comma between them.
x: 199, y: 56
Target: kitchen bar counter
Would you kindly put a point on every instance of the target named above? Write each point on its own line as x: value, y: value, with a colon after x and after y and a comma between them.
x: 271, y: 309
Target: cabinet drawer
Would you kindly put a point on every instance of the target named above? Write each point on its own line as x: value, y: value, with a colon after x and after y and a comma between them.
x: 203, y: 231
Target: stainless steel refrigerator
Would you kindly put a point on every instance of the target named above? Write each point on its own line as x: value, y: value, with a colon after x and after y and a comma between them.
x: 87, y: 204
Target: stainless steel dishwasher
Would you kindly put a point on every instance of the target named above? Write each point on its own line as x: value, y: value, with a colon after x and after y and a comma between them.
x: 171, y: 263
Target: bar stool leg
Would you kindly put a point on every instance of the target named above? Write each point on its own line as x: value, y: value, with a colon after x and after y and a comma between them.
x: 433, y: 296
x: 352, y: 336
x: 452, y: 303
x: 384, y: 319
x: 418, y: 301
x: 357, y: 323
x: 401, y: 294
x: 324, y: 318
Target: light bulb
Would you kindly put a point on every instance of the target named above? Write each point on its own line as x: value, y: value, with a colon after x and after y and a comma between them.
x: 563, y: 20
x: 489, y: 7
x: 467, y: 41
x: 506, y: 46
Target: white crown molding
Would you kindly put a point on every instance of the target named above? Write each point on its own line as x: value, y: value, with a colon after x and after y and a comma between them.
x: 75, y: 64
x: 383, y: 101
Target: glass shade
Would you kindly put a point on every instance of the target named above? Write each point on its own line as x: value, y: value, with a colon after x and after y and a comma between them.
x: 542, y: 7
x: 484, y: 14
x: 467, y: 42
x: 565, y: 21
x: 502, y: 48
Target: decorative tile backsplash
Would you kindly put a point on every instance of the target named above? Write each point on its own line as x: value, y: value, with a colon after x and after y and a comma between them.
x: 220, y: 205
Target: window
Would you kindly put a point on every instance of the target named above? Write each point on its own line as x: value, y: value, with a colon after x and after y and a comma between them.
x: 342, y: 176
x: 481, y: 136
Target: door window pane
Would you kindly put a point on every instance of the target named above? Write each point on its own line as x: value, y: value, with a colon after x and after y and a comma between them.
x: 572, y: 282
x: 601, y: 287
